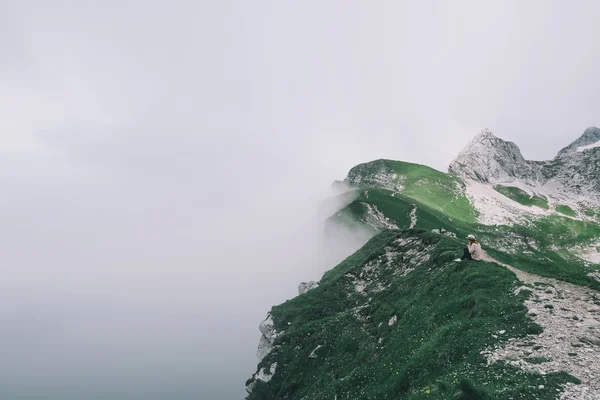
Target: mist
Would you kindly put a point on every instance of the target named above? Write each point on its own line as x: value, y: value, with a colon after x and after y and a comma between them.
x: 166, y: 166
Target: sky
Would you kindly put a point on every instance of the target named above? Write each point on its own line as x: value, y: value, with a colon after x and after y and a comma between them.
x: 163, y: 165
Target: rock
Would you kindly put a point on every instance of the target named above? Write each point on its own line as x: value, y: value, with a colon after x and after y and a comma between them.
x: 574, y: 171
x: 269, y: 334
x: 262, y: 375
x: 264, y: 347
x: 594, y: 275
x: 304, y: 287
x: 590, y: 340
x: 591, y: 323
x: 490, y: 159
x: 313, y: 354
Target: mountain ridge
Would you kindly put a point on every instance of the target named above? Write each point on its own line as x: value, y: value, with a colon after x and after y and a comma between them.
x: 363, y: 331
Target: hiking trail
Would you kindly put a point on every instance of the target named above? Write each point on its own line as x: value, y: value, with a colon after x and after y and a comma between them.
x: 570, y: 342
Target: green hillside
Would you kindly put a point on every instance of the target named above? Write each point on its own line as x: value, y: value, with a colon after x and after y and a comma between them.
x: 543, y: 247
x: 440, y: 191
x: 411, y: 327
x: 401, y: 319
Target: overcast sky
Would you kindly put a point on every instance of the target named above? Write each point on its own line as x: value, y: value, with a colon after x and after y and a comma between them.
x: 161, y: 162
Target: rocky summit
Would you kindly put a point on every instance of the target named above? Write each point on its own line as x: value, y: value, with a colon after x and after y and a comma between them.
x: 400, y: 318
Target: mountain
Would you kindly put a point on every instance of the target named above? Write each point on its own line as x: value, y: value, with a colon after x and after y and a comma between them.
x: 570, y: 179
x: 401, y: 319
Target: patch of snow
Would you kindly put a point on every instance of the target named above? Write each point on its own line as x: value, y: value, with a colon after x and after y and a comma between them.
x: 589, y: 146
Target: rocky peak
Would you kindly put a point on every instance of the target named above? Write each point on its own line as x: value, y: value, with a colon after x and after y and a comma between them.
x: 488, y: 158
x: 574, y: 170
x: 484, y: 135
x: 590, y: 136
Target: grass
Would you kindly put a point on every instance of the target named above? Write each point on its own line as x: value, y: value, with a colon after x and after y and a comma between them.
x: 522, y: 197
x: 446, y: 315
x: 397, y: 207
x: 435, y: 189
x: 566, y: 210
x: 541, y: 247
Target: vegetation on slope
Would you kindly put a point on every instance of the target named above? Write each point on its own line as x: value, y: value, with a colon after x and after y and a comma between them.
x: 521, y: 196
x: 541, y: 247
x: 399, y: 319
x: 566, y: 210
x: 440, y: 191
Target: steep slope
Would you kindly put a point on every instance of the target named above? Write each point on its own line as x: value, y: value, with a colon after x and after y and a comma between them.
x: 386, y: 323
x: 490, y: 159
x: 401, y: 319
x: 443, y: 192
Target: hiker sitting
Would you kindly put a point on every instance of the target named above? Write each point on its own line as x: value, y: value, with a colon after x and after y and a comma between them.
x: 473, y: 250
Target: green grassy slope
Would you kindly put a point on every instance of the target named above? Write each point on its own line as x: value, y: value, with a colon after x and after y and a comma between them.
x: 400, y: 320
x: 566, y: 210
x: 542, y: 247
x: 438, y: 190
x: 521, y: 196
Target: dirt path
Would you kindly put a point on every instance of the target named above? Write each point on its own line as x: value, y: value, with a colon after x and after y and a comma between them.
x: 570, y: 317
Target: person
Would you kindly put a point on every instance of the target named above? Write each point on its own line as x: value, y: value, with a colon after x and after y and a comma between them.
x: 473, y: 250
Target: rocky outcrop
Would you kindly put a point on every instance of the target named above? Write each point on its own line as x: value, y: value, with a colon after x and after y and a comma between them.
x: 570, y: 179
x: 304, y: 287
x: 269, y: 334
x: 574, y: 170
x: 379, y: 173
x: 590, y: 136
x: 570, y: 340
x: 263, y: 375
x: 490, y: 159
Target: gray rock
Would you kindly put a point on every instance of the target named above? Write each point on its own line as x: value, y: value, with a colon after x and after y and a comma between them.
x: 269, y: 334
x: 304, y: 287
x: 490, y: 159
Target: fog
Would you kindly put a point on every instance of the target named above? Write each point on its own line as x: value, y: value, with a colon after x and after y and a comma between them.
x: 164, y: 164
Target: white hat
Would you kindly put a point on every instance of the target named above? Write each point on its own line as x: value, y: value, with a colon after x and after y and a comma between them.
x: 471, y: 237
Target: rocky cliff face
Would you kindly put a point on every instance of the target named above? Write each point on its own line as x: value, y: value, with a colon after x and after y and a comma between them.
x: 401, y: 319
x: 590, y: 136
x: 489, y: 159
x: 567, y: 184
